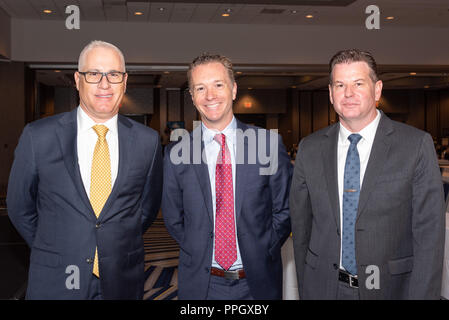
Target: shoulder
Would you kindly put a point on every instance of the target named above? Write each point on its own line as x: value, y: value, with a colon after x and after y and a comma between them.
x: 48, y: 122
x: 140, y: 129
x: 404, y: 134
x: 312, y: 139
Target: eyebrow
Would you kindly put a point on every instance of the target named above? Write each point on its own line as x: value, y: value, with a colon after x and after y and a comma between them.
x: 202, y: 84
x: 340, y: 81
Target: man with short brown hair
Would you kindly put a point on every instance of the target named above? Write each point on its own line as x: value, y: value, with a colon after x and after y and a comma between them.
x: 366, y: 199
x: 229, y: 220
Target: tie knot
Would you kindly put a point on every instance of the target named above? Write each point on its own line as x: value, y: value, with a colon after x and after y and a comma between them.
x: 354, y: 138
x: 101, y: 130
x: 220, y: 138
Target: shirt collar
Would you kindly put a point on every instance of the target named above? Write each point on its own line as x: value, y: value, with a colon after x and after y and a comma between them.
x: 368, y: 133
x: 85, y: 122
x: 229, y: 132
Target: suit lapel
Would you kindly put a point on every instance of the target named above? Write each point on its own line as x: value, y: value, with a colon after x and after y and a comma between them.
x: 67, y: 135
x: 329, y: 147
x: 240, y: 173
x: 378, y: 157
x: 202, y: 173
x: 125, y: 140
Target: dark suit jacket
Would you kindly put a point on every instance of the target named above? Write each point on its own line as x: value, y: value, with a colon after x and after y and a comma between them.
x: 400, y: 219
x: 262, y: 214
x: 48, y: 205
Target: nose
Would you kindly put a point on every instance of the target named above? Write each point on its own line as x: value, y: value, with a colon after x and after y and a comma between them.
x: 348, y: 91
x: 104, y: 83
x: 210, y: 94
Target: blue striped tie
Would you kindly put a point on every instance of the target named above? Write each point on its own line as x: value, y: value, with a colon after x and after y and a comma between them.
x: 350, y: 204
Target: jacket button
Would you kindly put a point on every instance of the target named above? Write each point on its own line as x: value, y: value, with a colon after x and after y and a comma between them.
x: 89, y: 260
x: 206, y: 269
x: 97, y: 225
x: 335, y: 266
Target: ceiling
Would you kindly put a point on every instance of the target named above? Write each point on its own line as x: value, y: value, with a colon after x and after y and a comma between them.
x: 406, y: 13
x: 281, y: 12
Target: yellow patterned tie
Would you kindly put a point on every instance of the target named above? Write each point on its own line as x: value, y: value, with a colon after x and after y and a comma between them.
x: 100, y: 181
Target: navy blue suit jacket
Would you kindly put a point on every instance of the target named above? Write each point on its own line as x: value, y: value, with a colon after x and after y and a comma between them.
x: 48, y: 205
x: 263, y: 221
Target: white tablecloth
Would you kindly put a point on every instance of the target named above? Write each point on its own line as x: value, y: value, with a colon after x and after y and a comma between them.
x: 445, y: 285
x: 290, y: 285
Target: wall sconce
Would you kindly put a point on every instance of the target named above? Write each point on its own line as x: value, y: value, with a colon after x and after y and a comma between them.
x: 247, y: 104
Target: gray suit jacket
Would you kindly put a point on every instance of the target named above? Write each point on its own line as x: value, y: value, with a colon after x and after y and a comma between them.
x: 400, y: 220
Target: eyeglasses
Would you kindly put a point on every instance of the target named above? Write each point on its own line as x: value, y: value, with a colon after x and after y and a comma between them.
x: 96, y: 77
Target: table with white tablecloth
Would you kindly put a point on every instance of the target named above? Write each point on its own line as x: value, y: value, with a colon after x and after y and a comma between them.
x: 290, y: 285
x: 445, y: 284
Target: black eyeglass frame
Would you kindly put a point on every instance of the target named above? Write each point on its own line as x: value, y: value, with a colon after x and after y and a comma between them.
x: 103, y: 74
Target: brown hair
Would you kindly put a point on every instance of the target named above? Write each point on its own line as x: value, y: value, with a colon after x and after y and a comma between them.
x: 354, y: 55
x: 205, y: 58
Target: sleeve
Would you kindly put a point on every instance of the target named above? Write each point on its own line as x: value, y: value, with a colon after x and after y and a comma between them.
x: 172, y: 200
x: 428, y: 225
x: 280, y: 189
x: 22, y: 188
x: 301, y: 216
x: 152, y: 191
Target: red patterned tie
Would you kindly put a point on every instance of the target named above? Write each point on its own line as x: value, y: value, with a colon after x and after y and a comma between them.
x: 225, y: 247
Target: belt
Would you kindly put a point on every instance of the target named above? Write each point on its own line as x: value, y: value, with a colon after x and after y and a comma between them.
x: 233, y: 275
x: 348, y: 278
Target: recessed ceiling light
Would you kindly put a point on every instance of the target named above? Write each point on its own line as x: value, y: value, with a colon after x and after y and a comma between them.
x: 228, y: 10
x: 309, y: 16
x: 47, y: 11
x: 389, y: 18
x: 138, y: 13
x: 166, y: 72
x: 161, y: 9
x: 250, y: 88
x: 225, y: 15
x: 412, y: 73
x: 294, y: 11
x: 293, y: 87
x: 426, y: 87
x: 57, y: 70
x: 239, y: 72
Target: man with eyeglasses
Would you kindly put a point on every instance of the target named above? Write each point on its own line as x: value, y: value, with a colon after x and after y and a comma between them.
x: 84, y: 187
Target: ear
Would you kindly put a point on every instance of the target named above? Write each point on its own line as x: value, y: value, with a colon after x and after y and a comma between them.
x: 124, y: 81
x: 76, y: 75
x: 330, y: 94
x: 234, y: 91
x: 378, y: 89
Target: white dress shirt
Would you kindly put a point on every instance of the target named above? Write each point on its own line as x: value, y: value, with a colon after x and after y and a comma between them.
x: 86, y: 141
x: 211, y: 149
x: 364, y: 148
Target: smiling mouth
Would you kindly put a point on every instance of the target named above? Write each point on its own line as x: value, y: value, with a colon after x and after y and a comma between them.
x: 212, y: 106
x: 104, y: 96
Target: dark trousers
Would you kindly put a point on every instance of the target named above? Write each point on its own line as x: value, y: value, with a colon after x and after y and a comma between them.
x: 95, y: 289
x: 226, y: 289
x: 345, y: 292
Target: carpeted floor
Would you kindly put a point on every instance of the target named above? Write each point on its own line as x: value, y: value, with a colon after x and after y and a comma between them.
x: 161, y: 263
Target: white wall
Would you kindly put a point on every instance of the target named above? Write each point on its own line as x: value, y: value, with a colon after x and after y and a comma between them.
x: 50, y: 41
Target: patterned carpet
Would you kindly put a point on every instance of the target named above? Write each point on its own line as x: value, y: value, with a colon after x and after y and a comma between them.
x: 161, y: 263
